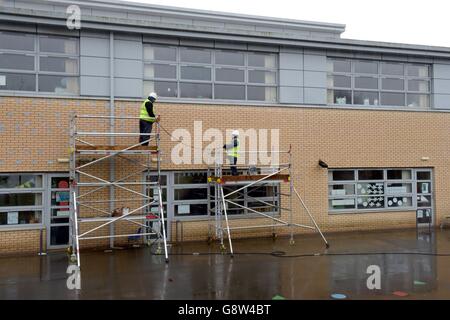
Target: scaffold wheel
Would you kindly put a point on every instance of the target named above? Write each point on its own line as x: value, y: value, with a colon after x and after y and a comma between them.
x: 292, y: 242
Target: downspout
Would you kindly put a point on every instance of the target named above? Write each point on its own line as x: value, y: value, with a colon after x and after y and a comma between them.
x: 112, y: 166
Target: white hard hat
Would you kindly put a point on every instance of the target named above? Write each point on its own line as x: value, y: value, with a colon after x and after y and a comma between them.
x: 153, y: 95
x: 235, y: 133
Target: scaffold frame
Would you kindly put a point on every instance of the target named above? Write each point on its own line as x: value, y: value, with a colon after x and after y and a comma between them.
x: 136, y: 153
x: 219, y: 226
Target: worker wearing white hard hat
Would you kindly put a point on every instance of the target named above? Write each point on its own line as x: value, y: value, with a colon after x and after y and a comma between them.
x: 233, y: 151
x: 146, y: 118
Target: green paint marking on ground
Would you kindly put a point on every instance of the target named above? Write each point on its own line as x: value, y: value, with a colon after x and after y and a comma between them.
x: 278, y: 297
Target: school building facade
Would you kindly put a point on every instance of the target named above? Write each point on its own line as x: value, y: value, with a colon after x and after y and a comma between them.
x: 376, y: 113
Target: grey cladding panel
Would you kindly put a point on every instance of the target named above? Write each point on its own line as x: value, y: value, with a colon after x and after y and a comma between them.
x: 315, y: 79
x: 291, y: 95
x: 128, y: 68
x: 441, y: 71
x: 292, y: 61
x: 441, y: 101
x: 94, y: 86
x: 291, y: 78
x: 94, y: 66
x: 128, y: 49
x: 315, y: 96
x: 94, y: 47
x: 441, y: 86
x: 128, y: 88
x: 315, y: 62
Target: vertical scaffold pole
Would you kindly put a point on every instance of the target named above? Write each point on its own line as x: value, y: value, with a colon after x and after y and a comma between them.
x: 291, y: 208
x: 226, y: 219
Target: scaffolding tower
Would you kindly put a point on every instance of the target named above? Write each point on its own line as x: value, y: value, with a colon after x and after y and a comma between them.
x: 93, y: 209
x: 222, y: 186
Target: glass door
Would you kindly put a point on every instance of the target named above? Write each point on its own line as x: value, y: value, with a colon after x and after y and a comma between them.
x: 58, y: 211
x: 424, y: 195
x: 152, y: 191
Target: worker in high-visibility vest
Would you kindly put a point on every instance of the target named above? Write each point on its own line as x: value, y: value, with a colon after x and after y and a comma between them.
x: 147, y: 117
x: 233, y: 151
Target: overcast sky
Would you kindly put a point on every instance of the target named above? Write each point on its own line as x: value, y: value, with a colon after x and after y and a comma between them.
x: 413, y: 21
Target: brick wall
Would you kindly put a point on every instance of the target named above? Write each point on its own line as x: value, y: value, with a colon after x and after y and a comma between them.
x: 34, y: 134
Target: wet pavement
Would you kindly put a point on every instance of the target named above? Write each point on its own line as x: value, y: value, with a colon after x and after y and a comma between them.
x: 253, y: 273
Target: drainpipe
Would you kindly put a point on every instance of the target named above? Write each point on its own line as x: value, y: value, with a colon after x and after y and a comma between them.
x: 112, y: 166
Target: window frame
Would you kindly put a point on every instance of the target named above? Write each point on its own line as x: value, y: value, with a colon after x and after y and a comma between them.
x: 213, y: 66
x: 385, y: 181
x: 380, y: 76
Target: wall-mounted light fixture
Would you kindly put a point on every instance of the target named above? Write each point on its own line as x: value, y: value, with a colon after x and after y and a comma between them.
x: 323, y: 164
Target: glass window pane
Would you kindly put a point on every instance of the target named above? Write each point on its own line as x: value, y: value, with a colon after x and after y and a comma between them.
x: 60, y: 183
x: 16, y: 41
x: 392, y: 99
x: 370, y: 188
x: 418, y: 85
x: 370, y: 202
x: 162, y: 88
x: 423, y: 187
x: 424, y: 201
x: 339, y: 81
x: 341, y: 175
x: 231, y: 92
x: 58, y: 64
x: 418, y: 100
x: 195, y: 73
x: 339, y: 65
x: 398, y: 202
x: 340, y: 204
x: 418, y: 71
x: 58, y: 84
x: 16, y: 61
x: 190, y: 177
x: 366, y: 83
x: 191, y: 194
x: 262, y: 60
x: 196, y: 90
x: 366, y: 67
x: 231, y: 75
x: 58, y: 45
x: 341, y: 190
x: 20, y: 181
x: 162, y: 180
x: 423, y: 175
x: 20, y: 217
x: 263, y: 191
x: 393, y: 84
x: 160, y: 71
x: 366, y: 98
x: 195, y: 55
x: 59, y: 235
x: 340, y: 97
x: 230, y: 58
x: 160, y: 53
x: 370, y: 174
x: 268, y: 94
x: 399, y: 174
x: 18, y: 82
x: 20, y: 199
x: 398, y: 188
x: 260, y: 76
x: 193, y: 209
x: 394, y: 69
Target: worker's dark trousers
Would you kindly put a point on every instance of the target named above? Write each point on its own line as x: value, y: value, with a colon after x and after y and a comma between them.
x: 233, y: 162
x: 145, y: 127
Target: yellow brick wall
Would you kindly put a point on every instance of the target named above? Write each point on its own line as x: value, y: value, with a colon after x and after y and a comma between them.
x: 35, y: 134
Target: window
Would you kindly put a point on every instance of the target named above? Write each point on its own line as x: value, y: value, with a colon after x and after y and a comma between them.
x: 21, y: 199
x: 190, y: 193
x: 377, y: 83
x: 197, y: 73
x: 371, y: 190
x: 42, y: 63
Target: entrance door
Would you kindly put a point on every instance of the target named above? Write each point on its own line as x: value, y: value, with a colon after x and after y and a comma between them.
x: 424, y: 193
x: 57, y: 208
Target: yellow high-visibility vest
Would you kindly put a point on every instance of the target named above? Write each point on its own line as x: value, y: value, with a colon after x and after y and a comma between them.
x: 234, y: 151
x: 144, y: 114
